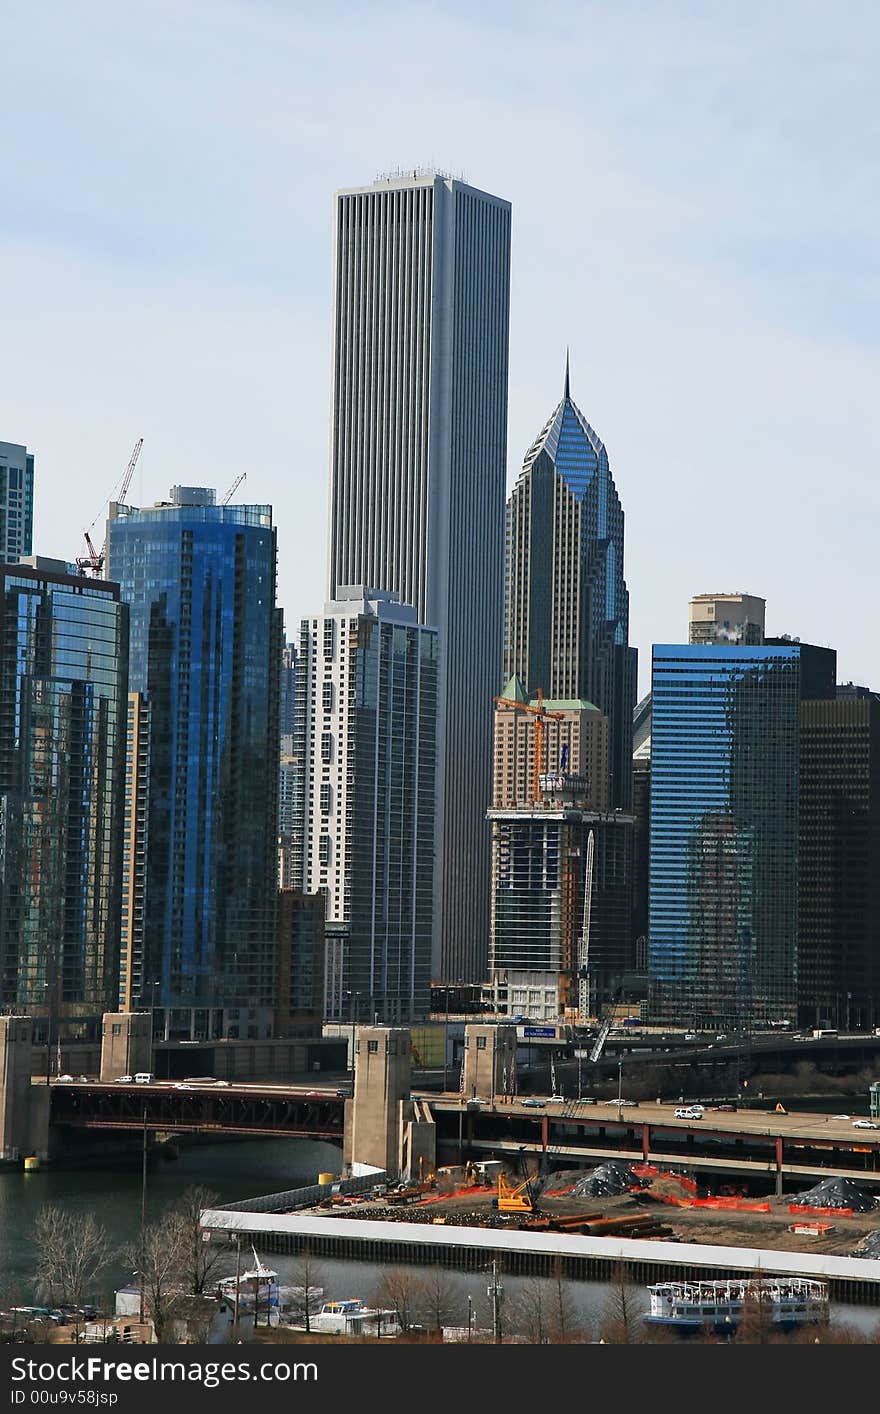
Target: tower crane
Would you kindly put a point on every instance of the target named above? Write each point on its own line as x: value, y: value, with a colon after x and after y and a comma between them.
x: 93, y: 562
x: 233, y: 488
x: 540, y: 714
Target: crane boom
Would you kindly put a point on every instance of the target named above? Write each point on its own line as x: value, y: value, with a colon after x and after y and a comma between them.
x: 93, y: 561
x: 539, y: 712
x: 233, y: 488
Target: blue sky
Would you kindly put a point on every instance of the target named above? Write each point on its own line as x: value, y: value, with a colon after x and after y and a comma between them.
x: 695, y: 211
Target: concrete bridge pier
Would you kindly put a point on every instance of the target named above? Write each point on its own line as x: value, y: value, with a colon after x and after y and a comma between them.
x: 383, y: 1129
x: 24, y: 1108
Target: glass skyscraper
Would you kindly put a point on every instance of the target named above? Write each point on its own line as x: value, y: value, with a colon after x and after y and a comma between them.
x: 566, y: 601
x: 63, y: 672
x: 724, y: 832
x: 205, y: 652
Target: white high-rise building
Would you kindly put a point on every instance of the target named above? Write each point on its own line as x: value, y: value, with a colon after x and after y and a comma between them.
x: 418, y: 460
x: 366, y: 732
x: 16, y: 502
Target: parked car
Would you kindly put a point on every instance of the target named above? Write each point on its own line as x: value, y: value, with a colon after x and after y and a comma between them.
x: 864, y: 1124
x: 144, y: 1077
x: 555, y: 1099
x: 64, y: 1079
x: 624, y: 1103
x: 533, y: 1104
x: 124, y: 1080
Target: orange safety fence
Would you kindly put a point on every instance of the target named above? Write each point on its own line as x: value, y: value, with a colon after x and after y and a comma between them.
x: 798, y: 1208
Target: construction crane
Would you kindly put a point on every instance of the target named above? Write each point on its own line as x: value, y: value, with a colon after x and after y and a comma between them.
x: 233, y: 488
x: 584, y: 944
x: 540, y: 713
x: 522, y: 1197
x: 93, y: 562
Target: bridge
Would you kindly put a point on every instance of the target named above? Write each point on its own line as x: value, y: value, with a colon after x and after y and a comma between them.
x: 268, y: 1110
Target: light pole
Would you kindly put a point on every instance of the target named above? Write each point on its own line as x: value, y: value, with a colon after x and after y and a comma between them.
x: 620, y: 1085
x: 143, y: 1214
x: 236, y: 1325
x: 470, y: 1315
x: 496, y: 1292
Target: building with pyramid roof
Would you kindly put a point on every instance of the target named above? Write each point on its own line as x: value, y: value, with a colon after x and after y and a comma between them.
x: 566, y: 601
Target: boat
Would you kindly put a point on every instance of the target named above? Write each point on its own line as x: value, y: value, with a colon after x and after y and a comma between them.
x: 689, y: 1306
x: 352, y: 1317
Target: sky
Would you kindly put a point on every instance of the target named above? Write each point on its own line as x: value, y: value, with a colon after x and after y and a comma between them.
x: 695, y: 213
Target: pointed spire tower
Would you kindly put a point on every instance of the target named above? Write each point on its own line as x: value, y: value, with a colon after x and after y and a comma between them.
x: 567, y: 605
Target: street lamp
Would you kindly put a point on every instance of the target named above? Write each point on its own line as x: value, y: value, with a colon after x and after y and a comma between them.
x: 143, y: 1214
x: 620, y: 1085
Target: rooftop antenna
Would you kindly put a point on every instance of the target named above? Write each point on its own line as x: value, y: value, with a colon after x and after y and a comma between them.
x: 567, y: 393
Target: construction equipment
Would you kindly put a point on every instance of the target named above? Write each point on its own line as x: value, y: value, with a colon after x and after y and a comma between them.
x: 521, y: 1197
x: 540, y: 714
x: 233, y: 488
x: 92, y: 563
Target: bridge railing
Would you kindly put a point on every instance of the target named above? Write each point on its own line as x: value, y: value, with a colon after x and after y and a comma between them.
x: 306, y: 1197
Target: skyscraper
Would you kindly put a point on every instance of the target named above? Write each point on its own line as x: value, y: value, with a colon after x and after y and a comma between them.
x: 419, y: 409
x: 16, y: 501
x: 205, y: 652
x: 724, y: 833
x: 839, y: 955
x: 566, y: 601
x: 366, y: 729
x: 63, y: 671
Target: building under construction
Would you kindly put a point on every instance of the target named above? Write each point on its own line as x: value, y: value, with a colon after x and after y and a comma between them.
x: 561, y: 936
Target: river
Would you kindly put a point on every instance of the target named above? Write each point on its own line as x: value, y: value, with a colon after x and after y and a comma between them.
x: 245, y: 1169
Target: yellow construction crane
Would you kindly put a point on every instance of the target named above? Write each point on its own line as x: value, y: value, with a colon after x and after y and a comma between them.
x: 540, y: 713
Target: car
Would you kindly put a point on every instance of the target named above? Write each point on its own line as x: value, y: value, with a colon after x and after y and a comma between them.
x: 686, y: 1112
x: 64, y: 1079
x: 690, y: 1035
x: 864, y: 1124
x: 728, y: 1109
x: 841, y: 1116
x: 698, y: 1109
x: 144, y: 1077
x: 588, y: 1100
x: 533, y: 1104
x: 555, y: 1099
x: 124, y: 1080
x: 182, y: 1085
x: 623, y: 1103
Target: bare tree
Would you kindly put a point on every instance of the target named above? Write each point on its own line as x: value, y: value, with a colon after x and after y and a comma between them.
x: 561, y: 1321
x: 161, y: 1259
x: 72, y: 1252
x: 201, y: 1260
x: 437, y: 1298
x: 622, y: 1317
x: 401, y: 1290
x: 530, y: 1312
x: 307, y: 1274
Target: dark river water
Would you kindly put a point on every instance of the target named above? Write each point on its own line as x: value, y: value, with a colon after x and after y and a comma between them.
x: 244, y: 1169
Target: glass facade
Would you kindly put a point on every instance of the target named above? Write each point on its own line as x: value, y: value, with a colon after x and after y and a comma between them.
x: 63, y: 673
x: 567, y: 604
x: 724, y: 836
x: 538, y: 906
x: 206, y: 654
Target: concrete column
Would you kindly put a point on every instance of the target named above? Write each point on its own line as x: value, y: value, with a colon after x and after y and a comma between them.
x: 126, y: 1043
x: 16, y: 1046
x: 381, y: 1106
x: 489, y: 1061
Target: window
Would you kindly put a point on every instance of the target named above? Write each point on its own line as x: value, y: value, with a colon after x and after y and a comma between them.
x: 328, y: 695
x: 481, y: 1043
x: 326, y: 747
x: 372, y: 1046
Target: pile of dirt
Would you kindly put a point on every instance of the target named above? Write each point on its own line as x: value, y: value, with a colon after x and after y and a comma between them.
x: 836, y: 1193
x: 609, y: 1179
x: 868, y: 1247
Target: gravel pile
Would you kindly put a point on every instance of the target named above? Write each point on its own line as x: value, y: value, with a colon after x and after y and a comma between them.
x: 836, y: 1193
x: 608, y: 1180
x: 870, y: 1247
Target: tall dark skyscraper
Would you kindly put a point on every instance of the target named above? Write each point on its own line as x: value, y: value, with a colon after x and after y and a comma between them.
x: 724, y: 827
x: 566, y: 602
x: 205, y: 653
x: 419, y: 440
x: 63, y: 671
x: 839, y: 960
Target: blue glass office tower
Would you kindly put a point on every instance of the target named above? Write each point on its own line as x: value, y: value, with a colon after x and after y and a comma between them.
x: 566, y: 625
x: 206, y: 652
x: 63, y: 670
x: 724, y: 835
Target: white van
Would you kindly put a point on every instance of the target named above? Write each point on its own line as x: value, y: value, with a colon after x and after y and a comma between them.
x: 686, y: 1112
x: 144, y: 1077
